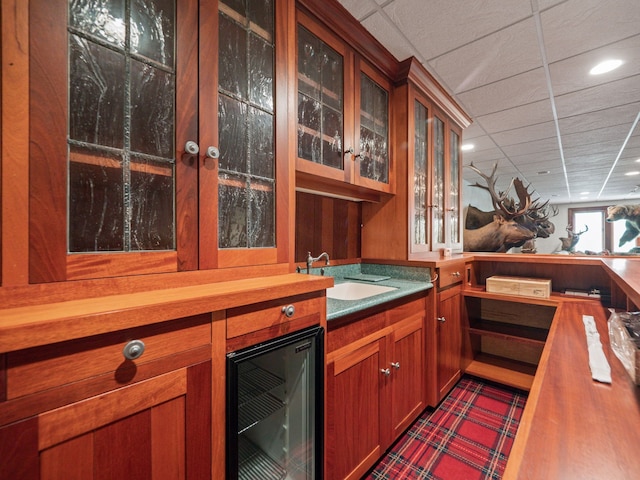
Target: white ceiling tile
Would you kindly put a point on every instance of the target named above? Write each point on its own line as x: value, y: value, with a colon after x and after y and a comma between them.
x: 576, y: 26
x: 537, y: 146
x: 525, y: 88
x: 623, y: 114
x: 572, y: 73
x: 472, y: 131
x: 530, y: 114
x: 619, y: 92
x: 445, y: 18
x: 529, y: 133
x: 359, y: 8
x: 500, y: 55
x: 389, y: 36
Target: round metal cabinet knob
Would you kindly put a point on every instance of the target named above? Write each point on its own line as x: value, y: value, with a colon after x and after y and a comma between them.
x: 289, y: 310
x: 191, y: 147
x: 133, y: 350
x: 213, y: 152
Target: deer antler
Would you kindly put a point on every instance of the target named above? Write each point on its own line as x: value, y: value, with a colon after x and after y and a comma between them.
x: 500, y: 200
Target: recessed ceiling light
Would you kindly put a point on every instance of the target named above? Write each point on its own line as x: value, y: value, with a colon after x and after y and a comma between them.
x: 466, y: 147
x: 638, y: 160
x: 606, y: 66
x: 631, y: 174
x: 584, y: 193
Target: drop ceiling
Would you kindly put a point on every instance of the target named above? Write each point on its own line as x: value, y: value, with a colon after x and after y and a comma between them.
x: 520, y: 69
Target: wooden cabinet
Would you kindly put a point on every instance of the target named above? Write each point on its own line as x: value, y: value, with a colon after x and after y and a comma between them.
x: 343, y: 138
x: 81, y: 410
x: 375, y: 375
x: 426, y: 211
x: 504, y: 336
x: 147, y: 156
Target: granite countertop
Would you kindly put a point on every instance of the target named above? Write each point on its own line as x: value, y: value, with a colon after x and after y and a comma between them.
x: 405, y: 280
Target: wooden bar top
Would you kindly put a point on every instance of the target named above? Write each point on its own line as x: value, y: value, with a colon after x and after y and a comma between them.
x: 574, y: 427
x: 29, y: 326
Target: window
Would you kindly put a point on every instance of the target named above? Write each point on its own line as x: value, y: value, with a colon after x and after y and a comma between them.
x: 595, y: 234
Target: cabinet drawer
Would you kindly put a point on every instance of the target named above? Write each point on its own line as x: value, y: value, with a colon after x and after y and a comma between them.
x: 276, y: 314
x: 41, y: 368
x: 450, y: 274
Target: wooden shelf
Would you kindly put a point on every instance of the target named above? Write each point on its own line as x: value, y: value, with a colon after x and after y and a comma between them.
x: 480, y: 292
x: 502, y: 370
x: 508, y: 331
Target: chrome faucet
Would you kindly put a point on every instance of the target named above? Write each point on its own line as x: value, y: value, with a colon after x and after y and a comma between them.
x: 310, y: 260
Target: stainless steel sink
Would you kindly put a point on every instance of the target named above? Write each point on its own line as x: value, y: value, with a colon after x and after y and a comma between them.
x: 356, y: 291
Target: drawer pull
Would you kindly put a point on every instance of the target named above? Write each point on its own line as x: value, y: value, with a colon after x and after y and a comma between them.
x: 395, y: 365
x: 133, y: 350
x: 385, y: 371
x: 289, y: 310
x: 442, y: 319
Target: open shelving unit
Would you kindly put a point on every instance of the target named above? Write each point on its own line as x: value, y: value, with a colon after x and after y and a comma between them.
x: 505, y: 335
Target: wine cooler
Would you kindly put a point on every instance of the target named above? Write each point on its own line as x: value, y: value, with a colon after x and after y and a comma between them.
x: 275, y: 408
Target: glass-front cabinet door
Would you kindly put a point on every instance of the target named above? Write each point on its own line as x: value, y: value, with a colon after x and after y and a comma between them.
x: 419, y: 178
x: 153, y: 133
x: 343, y: 115
x: 454, y: 209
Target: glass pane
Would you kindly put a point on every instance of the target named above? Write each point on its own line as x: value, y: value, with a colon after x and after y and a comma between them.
x: 232, y: 57
x: 593, y: 239
x: 120, y: 200
x: 438, y: 181
x: 232, y: 211
x: 107, y: 25
x: 246, y: 208
x: 152, y: 27
x: 96, y: 99
x: 261, y: 143
x: 96, y: 209
x: 420, y: 175
x: 152, y: 110
x: 262, y: 221
x: 308, y: 129
x: 261, y: 73
x: 260, y: 12
x: 373, y: 131
x: 320, y: 101
x: 151, y: 205
x: 454, y: 190
x: 232, y: 131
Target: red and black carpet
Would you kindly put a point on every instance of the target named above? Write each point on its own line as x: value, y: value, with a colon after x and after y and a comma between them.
x: 468, y: 437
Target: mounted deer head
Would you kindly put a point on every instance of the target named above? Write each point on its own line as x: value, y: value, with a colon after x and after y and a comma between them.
x: 569, y: 243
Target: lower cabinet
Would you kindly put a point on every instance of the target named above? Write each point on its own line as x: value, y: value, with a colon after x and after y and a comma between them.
x: 375, y: 376
x: 449, y: 339
x: 148, y: 416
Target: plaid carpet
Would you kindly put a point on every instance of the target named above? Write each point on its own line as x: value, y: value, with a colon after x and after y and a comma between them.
x: 469, y: 436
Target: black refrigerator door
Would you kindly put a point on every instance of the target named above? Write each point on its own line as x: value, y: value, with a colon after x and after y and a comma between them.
x: 275, y: 401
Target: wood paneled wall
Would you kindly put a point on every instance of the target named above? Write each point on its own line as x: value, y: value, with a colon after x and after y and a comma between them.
x: 325, y: 224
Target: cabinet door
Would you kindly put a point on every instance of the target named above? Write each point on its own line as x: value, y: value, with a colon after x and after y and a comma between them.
x: 454, y: 203
x: 449, y: 337
x: 420, y: 176
x: 354, y: 384
x: 372, y: 159
x: 157, y: 429
x: 323, y: 63
x: 112, y: 105
x: 407, y: 374
x: 245, y: 152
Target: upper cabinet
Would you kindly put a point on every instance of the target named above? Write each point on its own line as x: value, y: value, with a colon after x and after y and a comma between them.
x: 154, y: 145
x: 426, y: 212
x: 343, y: 142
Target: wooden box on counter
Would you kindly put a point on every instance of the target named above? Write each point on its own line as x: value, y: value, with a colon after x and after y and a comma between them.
x: 520, y: 286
